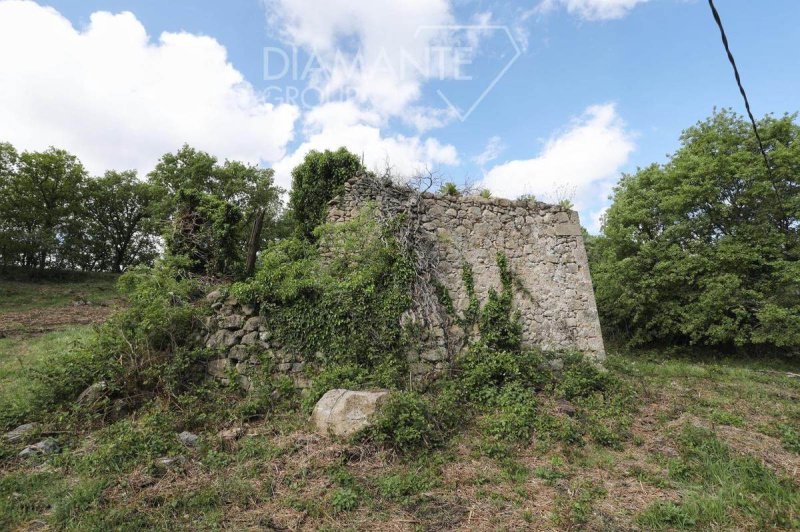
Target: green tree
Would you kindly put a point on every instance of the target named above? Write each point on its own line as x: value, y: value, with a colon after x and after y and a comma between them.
x: 704, y: 249
x: 40, y: 191
x: 117, y: 218
x: 208, y: 208
x: 318, y: 179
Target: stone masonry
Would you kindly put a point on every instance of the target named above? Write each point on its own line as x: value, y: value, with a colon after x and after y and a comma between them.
x: 545, y: 251
x: 543, y: 244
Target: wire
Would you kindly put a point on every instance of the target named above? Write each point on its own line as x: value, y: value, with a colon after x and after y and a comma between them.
x: 739, y: 82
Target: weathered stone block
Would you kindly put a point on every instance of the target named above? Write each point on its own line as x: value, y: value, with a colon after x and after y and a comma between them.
x: 345, y: 412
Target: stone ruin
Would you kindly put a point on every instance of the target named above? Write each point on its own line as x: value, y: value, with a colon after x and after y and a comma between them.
x: 545, y: 252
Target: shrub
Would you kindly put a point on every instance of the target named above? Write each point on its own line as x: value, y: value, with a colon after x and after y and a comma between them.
x: 404, y: 423
x: 449, y: 189
x: 484, y: 372
x: 582, y: 378
x: 515, y: 416
x: 340, y: 309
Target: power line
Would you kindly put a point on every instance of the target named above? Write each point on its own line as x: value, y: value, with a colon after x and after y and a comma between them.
x: 739, y: 82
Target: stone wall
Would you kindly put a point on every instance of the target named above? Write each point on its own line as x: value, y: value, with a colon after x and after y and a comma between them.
x: 543, y: 244
x: 545, y: 252
x: 241, y: 339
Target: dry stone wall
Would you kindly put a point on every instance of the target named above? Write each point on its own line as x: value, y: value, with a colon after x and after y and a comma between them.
x: 543, y: 244
x: 240, y: 337
x: 544, y: 249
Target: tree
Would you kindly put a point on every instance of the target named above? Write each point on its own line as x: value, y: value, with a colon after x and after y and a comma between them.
x: 117, y: 216
x: 318, y: 179
x: 39, y: 199
x: 209, y: 208
x: 704, y: 249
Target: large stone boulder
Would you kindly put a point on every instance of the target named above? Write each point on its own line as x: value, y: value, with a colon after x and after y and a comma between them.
x: 344, y: 412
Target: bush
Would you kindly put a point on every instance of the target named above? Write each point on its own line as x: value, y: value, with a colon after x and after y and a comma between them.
x: 484, y: 372
x: 404, y: 422
x: 515, y: 416
x: 582, y: 378
x: 342, y: 309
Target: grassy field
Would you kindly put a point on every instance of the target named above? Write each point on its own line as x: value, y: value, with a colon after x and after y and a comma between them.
x: 21, y: 295
x: 708, y: 444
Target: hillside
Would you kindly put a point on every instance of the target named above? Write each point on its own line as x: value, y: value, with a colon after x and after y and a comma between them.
x: 697, y: 442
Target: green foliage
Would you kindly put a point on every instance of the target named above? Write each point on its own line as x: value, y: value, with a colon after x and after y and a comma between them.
x: 129, y: 442
x: 340, y: 309
x: 566, y: 204
x: 208, y: 208
x: 515, y: 416
x: 449, y: 189
x: 405, y: 484
x: 39, y: 197
x: 485, y: 372
x: 404, y: 422
x: 318, y: 179
x: 790, y: 436
x: 116, y: 223
x: 486, y: 193
x: 720, y: 486
x: 582, y: 378
x: 704, y: 249
x: 344, y: 500
x: 499, y: 323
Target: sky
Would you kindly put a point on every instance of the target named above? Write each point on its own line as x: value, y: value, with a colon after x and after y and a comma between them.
x: 555, y: 98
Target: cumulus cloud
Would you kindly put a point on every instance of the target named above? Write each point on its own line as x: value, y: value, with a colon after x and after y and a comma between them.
x: 376, y: 53
x: 118, y: 99
x: 336, y: 124
x: 592, y: 9
x: 576, y: 163
x: 373, y: 59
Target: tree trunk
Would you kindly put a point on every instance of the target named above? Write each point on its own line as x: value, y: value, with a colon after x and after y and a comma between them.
x: 255, y: 243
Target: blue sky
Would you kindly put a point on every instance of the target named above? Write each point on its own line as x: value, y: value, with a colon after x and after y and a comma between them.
x: 598, y: 87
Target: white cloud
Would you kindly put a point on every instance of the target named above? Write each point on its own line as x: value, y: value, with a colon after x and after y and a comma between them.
x: 592, y: 9
x: 376, y: 53
x: 337, y: 124
x: 494, y: 147
x: 577, y: 163
x: 117, y: 99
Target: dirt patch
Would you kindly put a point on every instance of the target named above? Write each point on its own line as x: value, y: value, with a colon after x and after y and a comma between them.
x: 41, y: 320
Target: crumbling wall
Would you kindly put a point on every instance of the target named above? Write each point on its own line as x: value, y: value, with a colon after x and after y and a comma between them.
x: 543, y: 244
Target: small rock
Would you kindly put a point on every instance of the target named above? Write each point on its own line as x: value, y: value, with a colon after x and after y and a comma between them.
x: 189, y: 439
x: 46, y: 446
x: 248, y: 310
x: 21, y: 432
x: 234, y: 321
x: 252, y: 324
x: 167, y: 461
x: 219, y: 367
x: 93, y: 393
x: 344, y: 412
x: 215, y: 297
x: 231, y: 435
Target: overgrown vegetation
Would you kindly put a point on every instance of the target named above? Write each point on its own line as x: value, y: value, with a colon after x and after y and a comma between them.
x: 704, y: 249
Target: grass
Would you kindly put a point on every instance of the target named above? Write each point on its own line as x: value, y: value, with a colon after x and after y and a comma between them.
x: 21, y: 295
x: 19, y: 355
x: 709, y: 444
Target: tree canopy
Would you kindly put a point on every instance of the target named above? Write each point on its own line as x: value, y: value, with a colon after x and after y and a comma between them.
x: 704, y: 249
x: 316, y: 181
